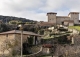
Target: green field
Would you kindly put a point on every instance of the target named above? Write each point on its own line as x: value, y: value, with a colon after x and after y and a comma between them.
x: 75, y: 27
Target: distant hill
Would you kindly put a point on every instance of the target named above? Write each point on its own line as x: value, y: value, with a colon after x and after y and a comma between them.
x: 9, y: 18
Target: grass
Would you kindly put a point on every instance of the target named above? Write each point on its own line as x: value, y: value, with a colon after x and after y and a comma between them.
x: 75, y: 27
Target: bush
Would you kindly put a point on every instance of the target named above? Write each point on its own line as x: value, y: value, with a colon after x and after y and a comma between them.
x: 30, y: 40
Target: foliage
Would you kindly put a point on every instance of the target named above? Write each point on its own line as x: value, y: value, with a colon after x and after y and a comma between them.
x: 63, y: 39
x: 14, y: 22
x: 3, y: 26
x: 6, y: 19
x: 30, y: 40
x: 41, y: 32
x: 62, y: 29
x: 75, y: 27
x: 32, y: 28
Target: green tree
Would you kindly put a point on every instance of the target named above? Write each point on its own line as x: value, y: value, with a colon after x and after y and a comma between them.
x: 14, y: 22
x: 30, y: 40
x: 4, y: 27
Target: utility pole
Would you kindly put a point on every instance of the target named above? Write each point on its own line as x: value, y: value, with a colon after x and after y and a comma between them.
x: 21, y: 28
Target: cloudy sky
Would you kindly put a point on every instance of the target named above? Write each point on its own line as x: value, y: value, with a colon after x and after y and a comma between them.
x: 37, y: 9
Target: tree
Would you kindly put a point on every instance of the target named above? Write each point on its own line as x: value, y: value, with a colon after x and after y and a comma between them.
x: 4, y: 27
x: 14, y: 22
x: 30, y: 40
x: 41, y: 32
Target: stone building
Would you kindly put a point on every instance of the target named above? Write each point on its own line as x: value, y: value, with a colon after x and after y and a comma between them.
x: 72, y: 16
x: 16, y: 35
x: 68, y: 23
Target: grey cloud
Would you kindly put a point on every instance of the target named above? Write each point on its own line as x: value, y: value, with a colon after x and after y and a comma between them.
x: 28, y: 8
x: 52, y: 5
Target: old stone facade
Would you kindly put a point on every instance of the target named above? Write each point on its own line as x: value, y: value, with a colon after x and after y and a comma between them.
x: 15, y: 35
x: 9, y: 37
x: 73, y: 16
x: 68, y: 23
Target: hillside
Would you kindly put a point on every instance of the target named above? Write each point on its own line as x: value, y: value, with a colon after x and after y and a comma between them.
x: 9, y: 18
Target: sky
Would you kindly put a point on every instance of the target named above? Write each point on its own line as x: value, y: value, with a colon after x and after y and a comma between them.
x: 37, y: 9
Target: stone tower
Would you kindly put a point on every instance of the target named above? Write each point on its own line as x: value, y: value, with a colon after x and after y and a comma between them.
x: 51, y: 17
x: 74, y: 16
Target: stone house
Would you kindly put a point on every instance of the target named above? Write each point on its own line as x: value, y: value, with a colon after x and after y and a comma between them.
x: 68, y: 22
x: 16, y: 35
x: 52, y: 18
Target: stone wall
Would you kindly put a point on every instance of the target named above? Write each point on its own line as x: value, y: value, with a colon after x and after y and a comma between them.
x: 3, y: 39
x: 60, y: 19
x: 52, y: 18
x: 74, y: 17
x: 12, y: 38
x: 18, y: 36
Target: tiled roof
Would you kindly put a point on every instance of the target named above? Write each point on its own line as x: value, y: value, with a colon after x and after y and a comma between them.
x: 51, y: 13
x: 74, y: 13
x: 46, y: 24
x: 19, y: 32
